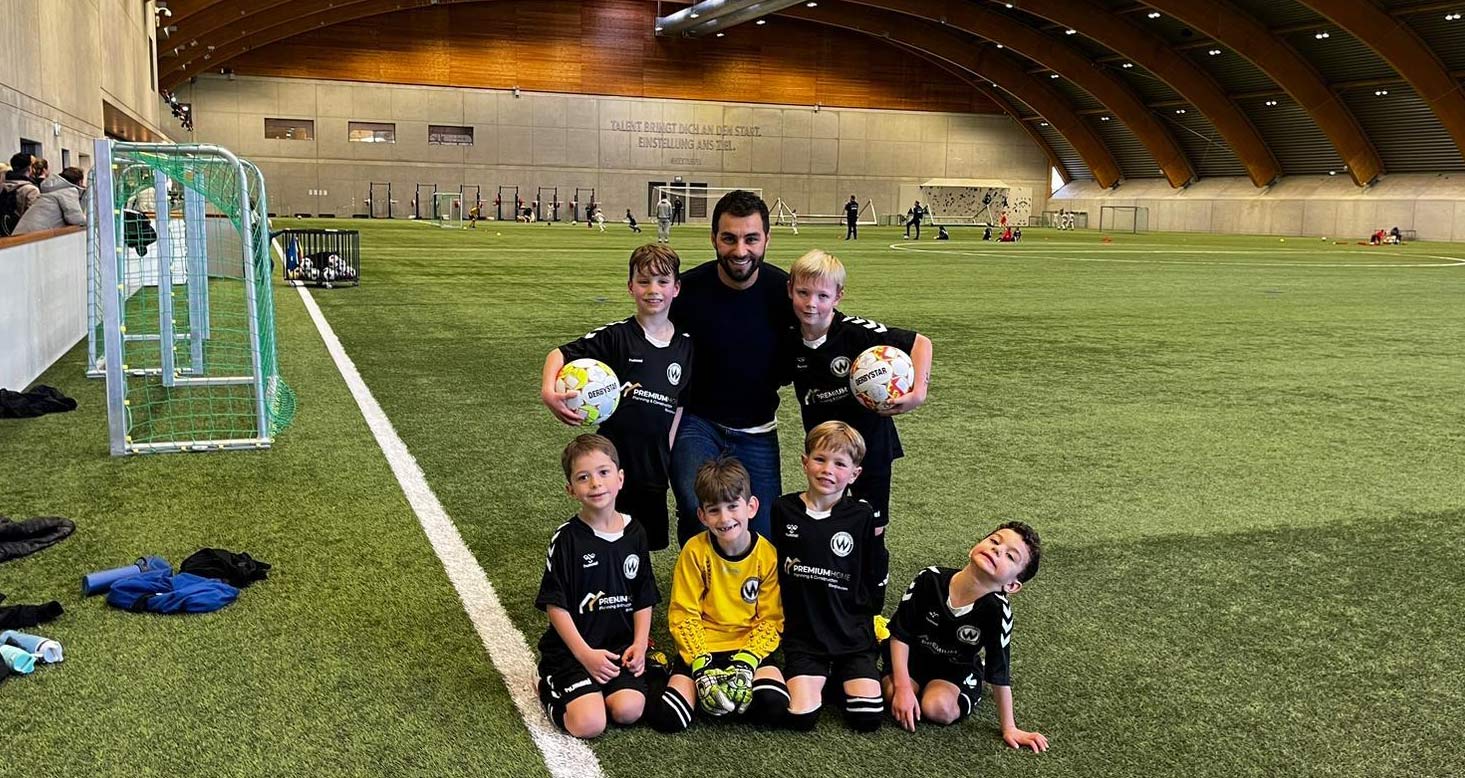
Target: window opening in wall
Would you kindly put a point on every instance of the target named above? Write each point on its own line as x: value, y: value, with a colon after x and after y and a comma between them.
x: 371, y: 132
x: 290, y: 129
x: 449, y: 135
x: 30, y: 147
x: 1055, y: 180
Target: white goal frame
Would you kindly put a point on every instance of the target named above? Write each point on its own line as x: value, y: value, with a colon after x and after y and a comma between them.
x: 781, y: 215
x: 448, y: 210
x: 709, y: 193
x: 1124, y: 218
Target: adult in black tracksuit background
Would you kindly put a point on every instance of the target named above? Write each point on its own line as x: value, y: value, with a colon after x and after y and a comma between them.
x: 851, y: 219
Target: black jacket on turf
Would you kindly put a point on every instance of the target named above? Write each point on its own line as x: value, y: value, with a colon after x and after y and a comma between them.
x: 851, y: 212
x: 736, y: 334
x: 600, y: 582
x: 652, y: 379
x: 832, y: 572
x: 821, y: 382
x: 923, y: 622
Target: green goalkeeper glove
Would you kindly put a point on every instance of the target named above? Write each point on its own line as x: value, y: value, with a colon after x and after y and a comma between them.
x: 711, y: 696
x: 740, y: 680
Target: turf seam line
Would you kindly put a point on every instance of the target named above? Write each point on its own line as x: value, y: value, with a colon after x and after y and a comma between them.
x: 566, y: 757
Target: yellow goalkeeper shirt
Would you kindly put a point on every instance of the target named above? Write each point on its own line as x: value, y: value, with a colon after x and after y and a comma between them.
x: 722, y: 604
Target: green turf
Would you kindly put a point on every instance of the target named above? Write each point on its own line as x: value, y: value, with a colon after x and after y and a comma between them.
x: 1244, y: 456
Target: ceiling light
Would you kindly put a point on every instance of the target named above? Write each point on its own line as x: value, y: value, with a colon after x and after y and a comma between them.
x: 1052, y: 75
x: 810, y: 4
x: 1009, y: 5
x: 1214, y: 52
x: 1127, y: 65
x: 1103, y: 118
x: 721, y: 34
x: 658, y: 28
x: 1069, y: 32
x: 1455, y: 17
x: 1380, y: 92
x: 1271, y: 102
x: 1321, y: 35
x: 761, y: 22
x: 1042, y: 124
x: 999, y: 46
x: 1332, y: 172
x: 1153, y: 14
x: 1179, y: 110
x: 694, y: 15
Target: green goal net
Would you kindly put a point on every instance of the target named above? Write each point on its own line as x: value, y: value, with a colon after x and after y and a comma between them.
x: 182, y: 307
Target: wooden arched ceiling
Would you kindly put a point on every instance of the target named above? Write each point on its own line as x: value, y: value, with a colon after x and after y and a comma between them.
x: 1059, y: 57
x: 210, y: 33
x: 982, y: 62
x: 1248, y: 37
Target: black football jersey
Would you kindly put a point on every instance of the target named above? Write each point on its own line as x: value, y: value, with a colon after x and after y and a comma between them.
x: 923, y: 622
x: 821, y: 381
x: 832, y: 572
x: 652, y: 379
x: 600, y: 582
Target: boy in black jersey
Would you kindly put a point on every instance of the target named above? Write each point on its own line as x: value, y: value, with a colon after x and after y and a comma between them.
x: 823, y: 344
x: 947, y: 621
x: 653, y: 359
x: 598, y: 589
x: 832, y: 569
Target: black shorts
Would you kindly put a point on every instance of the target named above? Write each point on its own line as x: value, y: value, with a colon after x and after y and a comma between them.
x: 563, y: 683
x: 841, y: 667
x: 720, y: 660
x: 647, y: 504
x: 925, y: 667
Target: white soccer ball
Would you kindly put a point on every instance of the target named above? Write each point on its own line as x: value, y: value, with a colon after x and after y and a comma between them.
x: 599, y: 389
x: 880, y: 375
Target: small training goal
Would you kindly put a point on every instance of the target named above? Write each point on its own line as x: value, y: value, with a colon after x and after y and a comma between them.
x: 783, y: 215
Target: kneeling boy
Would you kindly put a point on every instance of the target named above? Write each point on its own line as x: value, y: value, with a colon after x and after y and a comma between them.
x: 726, y: 613
x: 598, y: 589
x: 833, y: 569
x: 946, y: 621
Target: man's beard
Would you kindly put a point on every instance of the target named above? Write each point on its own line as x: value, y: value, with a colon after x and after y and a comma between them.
x: 736, y: 274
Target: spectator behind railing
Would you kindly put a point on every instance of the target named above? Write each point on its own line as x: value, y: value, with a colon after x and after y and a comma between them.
x: 58, y: 205
x: 17, y: 192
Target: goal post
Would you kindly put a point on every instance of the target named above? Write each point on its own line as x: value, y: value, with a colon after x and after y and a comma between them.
x: 698, y: 200
x: 781, y: 214
x: 1124, y: 218
x: 448, y: 210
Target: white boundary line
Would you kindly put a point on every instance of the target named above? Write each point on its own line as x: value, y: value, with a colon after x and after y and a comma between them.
x: 565, y: 756
x: 1020, y: 254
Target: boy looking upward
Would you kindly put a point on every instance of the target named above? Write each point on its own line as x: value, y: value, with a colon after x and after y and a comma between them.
x: 947, y: 621
x: 598, y: 590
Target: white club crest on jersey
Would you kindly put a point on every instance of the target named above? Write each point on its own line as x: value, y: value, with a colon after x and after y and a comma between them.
x: 750, y: 589
x: 840, y: 366
x: 968, y: 634
x: 674, y: 373
x: 632, y: 566
x: 842, y: 544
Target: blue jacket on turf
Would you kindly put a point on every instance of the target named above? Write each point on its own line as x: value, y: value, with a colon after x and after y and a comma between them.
x: 163, y: 592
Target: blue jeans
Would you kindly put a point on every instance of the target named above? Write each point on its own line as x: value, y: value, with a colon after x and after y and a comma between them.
x: 699, y: 440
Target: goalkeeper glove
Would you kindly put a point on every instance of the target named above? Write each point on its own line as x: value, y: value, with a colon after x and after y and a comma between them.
x: 882, y: 628
x: 740, y: 679
x: 710, y: 694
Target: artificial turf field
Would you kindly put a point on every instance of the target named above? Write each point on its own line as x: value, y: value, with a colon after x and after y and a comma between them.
x: 1245, y: 457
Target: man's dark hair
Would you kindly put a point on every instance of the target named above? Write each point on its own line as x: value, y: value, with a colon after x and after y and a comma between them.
x: 740, y: 203
x: 20, y: 162
x: 74, y: 175
x: 1035, y: 547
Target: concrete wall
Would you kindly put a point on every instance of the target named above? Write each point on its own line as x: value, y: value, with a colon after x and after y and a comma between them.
x: 814, y: 160
x: 63, y: 58
x: 1432, y: 205
x: 42, y: 305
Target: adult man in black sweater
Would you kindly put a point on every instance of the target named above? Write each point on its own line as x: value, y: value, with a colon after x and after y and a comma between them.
x: 736, y: 309
x: 851, y: 217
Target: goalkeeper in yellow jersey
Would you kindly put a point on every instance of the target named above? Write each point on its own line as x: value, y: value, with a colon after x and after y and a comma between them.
x: 726, y: 616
